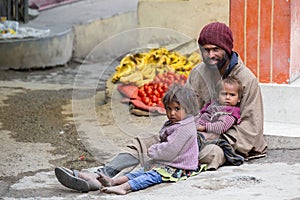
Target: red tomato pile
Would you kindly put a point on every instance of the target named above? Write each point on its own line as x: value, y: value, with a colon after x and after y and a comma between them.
x: 152, y: 93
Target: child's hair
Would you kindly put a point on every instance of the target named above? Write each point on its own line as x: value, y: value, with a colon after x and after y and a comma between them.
x: 184, y: 96
x: 231, y: 80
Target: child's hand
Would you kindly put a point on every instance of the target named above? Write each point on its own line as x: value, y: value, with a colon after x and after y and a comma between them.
x: 201, y: 128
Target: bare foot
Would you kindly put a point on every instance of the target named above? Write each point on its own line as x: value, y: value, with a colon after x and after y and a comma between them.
x: 92, y: 180
x: 119, y: 189
x: 105, y: 180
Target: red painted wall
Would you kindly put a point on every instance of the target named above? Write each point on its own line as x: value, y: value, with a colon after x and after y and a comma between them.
x: 265, y: 38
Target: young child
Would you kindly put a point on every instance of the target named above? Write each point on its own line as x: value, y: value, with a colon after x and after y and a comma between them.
x: 222, y: 113
x: 175, y: 157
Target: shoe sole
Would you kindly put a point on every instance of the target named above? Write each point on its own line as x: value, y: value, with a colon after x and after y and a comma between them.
x: 70, y: 181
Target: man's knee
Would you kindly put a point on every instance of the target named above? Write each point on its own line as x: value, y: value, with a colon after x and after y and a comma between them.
x: 213, y: 156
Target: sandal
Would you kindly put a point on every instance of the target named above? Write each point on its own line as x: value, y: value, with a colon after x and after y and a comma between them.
x: 69, y: 178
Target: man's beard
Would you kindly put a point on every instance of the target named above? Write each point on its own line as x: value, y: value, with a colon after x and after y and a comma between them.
x: 219, y: 64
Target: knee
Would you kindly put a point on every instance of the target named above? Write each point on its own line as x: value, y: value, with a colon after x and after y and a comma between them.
x: 213, y: 156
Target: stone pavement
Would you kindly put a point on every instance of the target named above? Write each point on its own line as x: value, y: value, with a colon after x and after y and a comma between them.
x: 249, y: 181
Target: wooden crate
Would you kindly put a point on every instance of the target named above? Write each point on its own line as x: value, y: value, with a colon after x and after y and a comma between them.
x: 267, y: 36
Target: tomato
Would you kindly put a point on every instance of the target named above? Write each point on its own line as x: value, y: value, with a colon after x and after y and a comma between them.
x: 168, y: 82
x: 146, y: 100
x: 149, y: 91
x: 160, y: 76
x: 141, y: 88
x: 146, y: 87
x: 160, y: 84
x: 165, y: 87
x: 171, y: 78
x: 160, y: 90
x: 156, y: 80
x: 154, y: 99
x: 161, y: 81
x: 160, y: 103
x: 156, y: 93
x: 155, y: 86
x: 142, y: 93
x: 150, y: 84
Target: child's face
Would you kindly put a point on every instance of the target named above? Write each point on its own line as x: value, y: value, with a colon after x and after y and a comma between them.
x: 175, y: 112
x: 229, y: 95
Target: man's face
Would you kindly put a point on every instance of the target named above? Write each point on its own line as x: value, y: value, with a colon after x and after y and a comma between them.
x: 213, y: 56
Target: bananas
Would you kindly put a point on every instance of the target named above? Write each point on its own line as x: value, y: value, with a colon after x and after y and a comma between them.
x: 141, y: 68
x: 132, y: 78
x: 194, y: 58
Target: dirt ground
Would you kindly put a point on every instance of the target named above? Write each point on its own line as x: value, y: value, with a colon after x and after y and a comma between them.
x: 39, y: 117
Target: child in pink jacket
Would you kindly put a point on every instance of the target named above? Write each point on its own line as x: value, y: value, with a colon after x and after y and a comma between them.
x: 175, y: 157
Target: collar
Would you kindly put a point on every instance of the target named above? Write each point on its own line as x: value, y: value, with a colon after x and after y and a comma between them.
x: 233, y: 62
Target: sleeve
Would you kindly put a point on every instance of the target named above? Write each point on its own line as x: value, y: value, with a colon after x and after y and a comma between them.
x: 224, y: 123
x: 168, y: 151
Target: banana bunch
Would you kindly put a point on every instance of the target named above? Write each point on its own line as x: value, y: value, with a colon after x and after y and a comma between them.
x: 132, y: 78
x: 126, y: 67
x: 145, y: 75
x: 184, y: 63
x: 141, y: 68
x: 194, y: 58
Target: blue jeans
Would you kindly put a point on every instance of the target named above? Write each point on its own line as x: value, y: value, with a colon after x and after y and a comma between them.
x: 140, y: 179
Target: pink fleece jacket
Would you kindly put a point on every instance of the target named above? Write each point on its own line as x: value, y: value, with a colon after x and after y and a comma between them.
x: 178, y: 145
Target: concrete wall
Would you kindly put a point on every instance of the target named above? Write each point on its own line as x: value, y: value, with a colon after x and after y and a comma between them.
x: 281, y: 103
x: 90, y: 35
x: 185, y: 16
x: 36, y: 52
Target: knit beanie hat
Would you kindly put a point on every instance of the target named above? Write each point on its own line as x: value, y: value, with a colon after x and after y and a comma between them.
x: 218, y: 34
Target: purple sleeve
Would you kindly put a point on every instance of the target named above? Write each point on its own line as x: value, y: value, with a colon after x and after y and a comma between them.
x: 220, y: 126
x: 168, y: 150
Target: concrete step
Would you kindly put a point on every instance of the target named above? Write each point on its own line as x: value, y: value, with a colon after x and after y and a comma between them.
x: 282, y: 115
x: 282, y: 135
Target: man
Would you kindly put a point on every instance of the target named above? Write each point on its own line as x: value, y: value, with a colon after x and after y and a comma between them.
x: 219, y: 61
x: 246, y: 139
